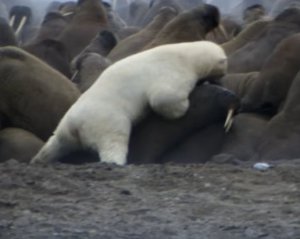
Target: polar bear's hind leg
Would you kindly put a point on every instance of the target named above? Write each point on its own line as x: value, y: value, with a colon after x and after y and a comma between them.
x: 55, y: 148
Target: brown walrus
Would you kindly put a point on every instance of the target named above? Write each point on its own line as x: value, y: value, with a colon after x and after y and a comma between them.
x: 137, y: 41
x: 33, y: 96
x: 188, y: 26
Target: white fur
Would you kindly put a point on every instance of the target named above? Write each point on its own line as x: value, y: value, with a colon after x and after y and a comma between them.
x: 162, y: 77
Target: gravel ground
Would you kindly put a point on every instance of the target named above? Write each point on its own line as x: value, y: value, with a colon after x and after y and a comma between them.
x: 217, y: 201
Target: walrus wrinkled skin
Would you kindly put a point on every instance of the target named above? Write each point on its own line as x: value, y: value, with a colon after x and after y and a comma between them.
x: 153, y: 9
x: 245, y: 36
x: 231, y: 29
x: 136, y: 42
x: 33, y: 96
x: 87, y: 68
x: 52, y: 52
x: 240, y: 83
x: 51, y: 27
x: 188, y: 26
x: 253, y: 55
x: 281, y: 136
x: 18, y: 144
x: 242, y: 139
x: 89, y: 19
x: 156, y: 140
x: 276, y: 77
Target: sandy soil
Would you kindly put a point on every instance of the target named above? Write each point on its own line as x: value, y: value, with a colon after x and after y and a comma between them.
x: 214, y: 201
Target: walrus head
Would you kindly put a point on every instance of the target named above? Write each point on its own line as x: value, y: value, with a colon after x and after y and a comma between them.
x: 19, y: 17
x: 290, y: 15
x: 210, y: 16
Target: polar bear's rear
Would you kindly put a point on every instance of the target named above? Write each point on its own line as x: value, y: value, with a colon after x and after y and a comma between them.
x: 162, y: 77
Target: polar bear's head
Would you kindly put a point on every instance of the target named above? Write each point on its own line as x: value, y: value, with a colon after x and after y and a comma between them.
x: 208, y: 58
x: 220, y: 67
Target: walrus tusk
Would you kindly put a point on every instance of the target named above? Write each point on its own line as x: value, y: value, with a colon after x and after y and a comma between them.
x: 12, y: 20
x: 20, y: 27
x: 74, y: 75
x: 228, y: 128
x: 229, y: 120
x: 67, y: 14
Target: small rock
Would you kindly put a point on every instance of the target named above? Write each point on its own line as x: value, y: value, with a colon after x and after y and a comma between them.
x: 207, y: 185
x: 261, y: 166
x: 251, y: 233
x: 126, y: 192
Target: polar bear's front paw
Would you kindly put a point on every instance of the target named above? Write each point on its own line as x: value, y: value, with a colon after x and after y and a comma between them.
x: 175, y: 110
x: 113, y: 157
x: 114, y: 161
x: 172, y: 110
x: 169, y: 102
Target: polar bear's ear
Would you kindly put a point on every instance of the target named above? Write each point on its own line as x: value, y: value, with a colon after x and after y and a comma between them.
x: 222, y: 64
x: 220, y: 68
x: 222, y: 61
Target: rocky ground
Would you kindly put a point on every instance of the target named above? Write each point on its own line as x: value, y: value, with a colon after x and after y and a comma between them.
x: 217, y: 201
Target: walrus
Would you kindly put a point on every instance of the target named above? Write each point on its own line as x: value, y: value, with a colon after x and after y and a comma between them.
x: 52, y: 52
x: 7, y: 36
x: 89, y: 18
x: 231, y: 27
x: 20, y: 18
x: 276, y: 77
x: 87, y: 68
x: 33, y: 96
x: 115, y: 22
x: 127, y: 31
x: 239, y: 83
x: 18, y: 144
x: 280, y: 137
x: 188, y: 26
x: 156, y: 140
x: 134, y: 13
x: 254, y: 13
x: 51, y: 27
x: 101, y: 44
x: 68, y: 10
x: 246, y: 35
x: 253, y: 55
x: 244, y: 134
x: 154, y: 7
x: 136, y: 42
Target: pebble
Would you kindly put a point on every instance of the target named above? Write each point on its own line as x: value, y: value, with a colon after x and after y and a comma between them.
x: 261, y: 166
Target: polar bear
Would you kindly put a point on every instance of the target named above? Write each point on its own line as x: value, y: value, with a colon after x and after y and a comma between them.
x: 162, y: 78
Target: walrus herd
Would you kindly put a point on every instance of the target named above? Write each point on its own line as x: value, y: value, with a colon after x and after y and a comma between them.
x: 248, y: 111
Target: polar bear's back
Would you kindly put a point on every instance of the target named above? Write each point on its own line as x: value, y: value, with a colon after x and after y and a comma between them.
x: 168, y: 60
